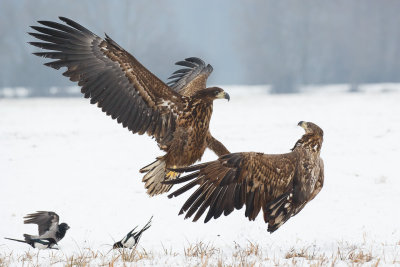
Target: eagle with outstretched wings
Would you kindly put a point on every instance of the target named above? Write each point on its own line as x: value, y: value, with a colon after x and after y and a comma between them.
x: 280, y: 184
x: 177, y: 117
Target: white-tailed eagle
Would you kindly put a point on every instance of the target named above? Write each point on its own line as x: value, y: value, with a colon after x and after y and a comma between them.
x: 177, y: 116
x: 280, y: 184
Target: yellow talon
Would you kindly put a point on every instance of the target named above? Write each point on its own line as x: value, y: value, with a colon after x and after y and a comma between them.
x: 172, y: 174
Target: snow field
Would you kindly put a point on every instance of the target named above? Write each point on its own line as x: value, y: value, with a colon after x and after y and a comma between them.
x: 65, y: 155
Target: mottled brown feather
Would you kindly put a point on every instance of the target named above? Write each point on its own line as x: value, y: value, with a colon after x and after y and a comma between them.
x: 281, y: 185
x: 191, y: 80
x: 125, y: 90
x: 110, y: 77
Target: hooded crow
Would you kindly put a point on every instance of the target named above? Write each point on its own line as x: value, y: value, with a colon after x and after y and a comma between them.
x: 48, y: 226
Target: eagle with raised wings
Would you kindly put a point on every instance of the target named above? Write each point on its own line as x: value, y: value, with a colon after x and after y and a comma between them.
x: 280, y: 184
x: 177, y: 116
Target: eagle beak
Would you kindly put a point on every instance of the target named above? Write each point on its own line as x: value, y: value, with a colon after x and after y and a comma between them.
x: 223, y: 95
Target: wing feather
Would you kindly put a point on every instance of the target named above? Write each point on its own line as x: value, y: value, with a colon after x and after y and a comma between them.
x: 234, y: 180
x: 189, y: 80
x: 111, y: 77
x: 47, y: 222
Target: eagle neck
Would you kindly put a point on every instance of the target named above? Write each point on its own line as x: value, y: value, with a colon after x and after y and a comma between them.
x: 311, y: 142
x: 202, y: 104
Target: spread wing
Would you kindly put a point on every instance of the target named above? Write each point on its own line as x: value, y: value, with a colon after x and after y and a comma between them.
x: 47, y: 222
x: 110, y: 77
x: 234, y: 180
x: 192, y: 78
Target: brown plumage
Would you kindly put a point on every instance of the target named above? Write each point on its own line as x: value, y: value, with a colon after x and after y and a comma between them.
x: 280, y: 184
x: 129, y: 93
x: 187, y: 81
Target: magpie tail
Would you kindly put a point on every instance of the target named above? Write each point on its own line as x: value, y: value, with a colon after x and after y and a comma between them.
x: 147, y: 226
x: 18, y: 240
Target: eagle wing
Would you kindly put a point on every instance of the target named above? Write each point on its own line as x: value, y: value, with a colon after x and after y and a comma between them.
x: 193, y: 77
x: 234, y: 180
x: 47, y: 222
x: 320, y: 182
x: 292, y: 202
x: 111, y: 77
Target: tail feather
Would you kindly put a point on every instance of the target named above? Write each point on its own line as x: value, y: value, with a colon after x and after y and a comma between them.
x: 183, y: 179
x: 18, y: 240
x: 138, y: 235
x: 147, y: 226
x: 29, y: 237
x: 149, y: 167
x: 190, y: 168
x: 155, y: 176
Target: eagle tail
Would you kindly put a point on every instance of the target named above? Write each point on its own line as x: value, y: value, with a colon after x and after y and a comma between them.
x: 156, y: 174
x: 278, y: 212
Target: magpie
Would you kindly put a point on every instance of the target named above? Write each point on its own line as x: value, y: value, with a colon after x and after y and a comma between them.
x: 48, y: 226
x: 39, y: 243
x: 132, y: 238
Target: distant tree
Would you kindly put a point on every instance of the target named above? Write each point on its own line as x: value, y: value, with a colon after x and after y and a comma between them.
x: 289, y: 43
x: 142, y: 28
x: 285, y: 43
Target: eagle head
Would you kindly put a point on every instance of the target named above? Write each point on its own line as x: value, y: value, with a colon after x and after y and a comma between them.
x: 311, y: 128
x: 313, y: 137
x: 213, y: 93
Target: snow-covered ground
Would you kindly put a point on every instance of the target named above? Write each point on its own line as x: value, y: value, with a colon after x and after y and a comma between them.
x: 65, y: 155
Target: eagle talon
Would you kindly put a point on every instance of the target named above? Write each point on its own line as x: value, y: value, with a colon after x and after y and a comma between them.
x: 171, y: 175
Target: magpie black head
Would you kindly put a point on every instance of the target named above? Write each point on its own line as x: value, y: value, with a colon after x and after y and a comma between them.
x: 118, y: 245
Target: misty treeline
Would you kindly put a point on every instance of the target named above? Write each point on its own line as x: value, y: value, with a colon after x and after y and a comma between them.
x: 286, y: 43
